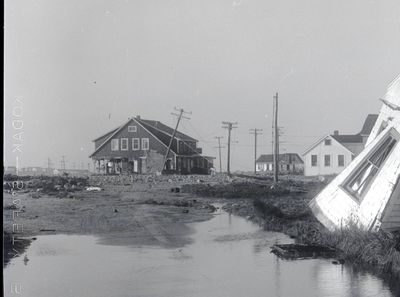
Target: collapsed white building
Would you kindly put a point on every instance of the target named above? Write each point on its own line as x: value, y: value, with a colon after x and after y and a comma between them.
x: 367, y: 191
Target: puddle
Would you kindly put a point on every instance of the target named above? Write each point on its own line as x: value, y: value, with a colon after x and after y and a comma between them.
x: 228, y: 256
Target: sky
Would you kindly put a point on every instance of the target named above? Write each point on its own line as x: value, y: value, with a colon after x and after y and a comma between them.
x: 75, y: 69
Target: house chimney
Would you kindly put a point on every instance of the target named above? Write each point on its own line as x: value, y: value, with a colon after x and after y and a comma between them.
x: 336, y: 132
x: 138, y: 117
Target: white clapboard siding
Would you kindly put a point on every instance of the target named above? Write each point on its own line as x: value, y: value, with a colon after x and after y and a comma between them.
x: 335, y: 207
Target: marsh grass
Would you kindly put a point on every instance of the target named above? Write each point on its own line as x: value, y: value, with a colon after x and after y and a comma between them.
x: 379, y: 250
x: 376, y: 250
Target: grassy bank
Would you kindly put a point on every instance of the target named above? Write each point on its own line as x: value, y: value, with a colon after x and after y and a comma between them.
x: 376, y: 250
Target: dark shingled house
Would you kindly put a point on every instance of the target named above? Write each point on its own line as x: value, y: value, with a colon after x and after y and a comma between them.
x: 140, y: 146
x: 288, y: 163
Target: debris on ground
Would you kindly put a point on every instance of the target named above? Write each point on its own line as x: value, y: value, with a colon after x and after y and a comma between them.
x: 59, y: 186
x: 302, y: 251
x: 93, y: 189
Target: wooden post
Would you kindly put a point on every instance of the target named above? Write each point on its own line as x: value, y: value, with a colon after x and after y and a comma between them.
x: 256, y: 132
x: 181, y: 111
x: 229, y: 126
x: 276, y: 139
x: 219, y: 149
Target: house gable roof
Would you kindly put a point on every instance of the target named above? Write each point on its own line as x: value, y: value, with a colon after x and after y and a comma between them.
x: 357, y: 138
x: 143, y: 123
x: 166, y: 129
x: 108, y: 133
x: 110, y: 137
x: 350, y: 138
x: 268, y: 158
x: 322, y: 139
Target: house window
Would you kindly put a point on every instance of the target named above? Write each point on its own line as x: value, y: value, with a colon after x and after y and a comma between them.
x: 314, y: 160
x: 114, y: 144
x: 145, y: 144
x: 124, y: 144
x: 327, y: 160
x: 132, y: 129
x: 340, y: 160
x: 362, y: 178
x: 328, y: 141
x: 135, y: 144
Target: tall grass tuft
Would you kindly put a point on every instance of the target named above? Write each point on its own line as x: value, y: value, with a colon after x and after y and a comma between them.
x: 375, y: 249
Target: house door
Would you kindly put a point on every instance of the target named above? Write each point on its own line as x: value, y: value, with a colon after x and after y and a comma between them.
x: 135, y: 166
x: 143, y: 165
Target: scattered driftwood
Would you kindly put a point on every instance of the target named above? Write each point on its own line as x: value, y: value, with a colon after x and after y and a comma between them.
x: 302, y: 251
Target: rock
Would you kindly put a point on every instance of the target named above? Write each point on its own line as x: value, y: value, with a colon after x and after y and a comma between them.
x: 35, y: 195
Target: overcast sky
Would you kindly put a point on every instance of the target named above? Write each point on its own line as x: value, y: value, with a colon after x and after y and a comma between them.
x: 81, y: 68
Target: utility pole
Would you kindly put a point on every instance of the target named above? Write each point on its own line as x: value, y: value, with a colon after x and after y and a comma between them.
x: 48, y: 163
x: 229, y: 126
x: 256, y: 132
x: 180, y: 116
x: 62, y: 162
x: 276, y: 139
x: 220, y: 155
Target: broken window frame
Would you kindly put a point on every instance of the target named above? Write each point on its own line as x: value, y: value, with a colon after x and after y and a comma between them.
x: 115, y: 144
x: 124, y: 144
x: 367, y: 167
x: 135, y: 144
x: 145, y: 144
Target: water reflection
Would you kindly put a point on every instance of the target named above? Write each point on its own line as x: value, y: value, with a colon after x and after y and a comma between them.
x: 229, y: 256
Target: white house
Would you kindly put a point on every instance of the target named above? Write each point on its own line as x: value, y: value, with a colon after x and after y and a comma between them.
x: 367, y: 192
x: 332, y: 153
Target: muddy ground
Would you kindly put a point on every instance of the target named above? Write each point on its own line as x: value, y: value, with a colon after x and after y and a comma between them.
x: 138, y: 213
x: 136, y: 210
x: 155, y: 210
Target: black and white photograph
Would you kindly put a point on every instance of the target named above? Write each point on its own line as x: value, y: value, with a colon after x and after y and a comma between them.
x: 209, y: 148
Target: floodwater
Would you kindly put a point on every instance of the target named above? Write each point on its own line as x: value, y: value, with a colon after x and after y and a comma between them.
x: 228, y: 256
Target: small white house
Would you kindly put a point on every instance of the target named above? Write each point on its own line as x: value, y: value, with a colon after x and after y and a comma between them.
x: 332, y: 153
x: 367, y: 192
x: 326, y: 157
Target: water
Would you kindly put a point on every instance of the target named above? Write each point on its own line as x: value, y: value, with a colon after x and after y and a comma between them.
x: 229, y: 256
